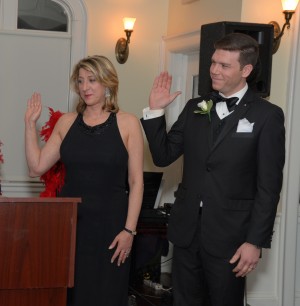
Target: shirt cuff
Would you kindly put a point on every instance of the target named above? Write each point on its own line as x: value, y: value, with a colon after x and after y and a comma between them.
x: 152, y: 113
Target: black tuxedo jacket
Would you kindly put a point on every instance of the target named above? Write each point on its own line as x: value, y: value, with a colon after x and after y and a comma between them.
x: 238, y: 178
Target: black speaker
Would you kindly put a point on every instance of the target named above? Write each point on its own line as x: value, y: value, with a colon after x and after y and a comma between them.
x: 260, y: 79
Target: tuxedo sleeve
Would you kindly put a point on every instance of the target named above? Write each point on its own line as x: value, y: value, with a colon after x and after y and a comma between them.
x: 270, y: 163
x: 165, y: 147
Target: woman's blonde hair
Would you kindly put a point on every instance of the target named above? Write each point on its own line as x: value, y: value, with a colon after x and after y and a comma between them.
x: 105, y: 73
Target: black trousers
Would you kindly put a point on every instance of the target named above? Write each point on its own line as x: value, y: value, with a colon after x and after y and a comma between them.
x: 201, y: 279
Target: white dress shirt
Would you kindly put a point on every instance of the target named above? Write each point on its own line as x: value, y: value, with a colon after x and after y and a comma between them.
x: 221, y: 107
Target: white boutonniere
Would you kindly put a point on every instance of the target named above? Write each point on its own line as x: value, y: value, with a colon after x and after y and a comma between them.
x: 204, y: 108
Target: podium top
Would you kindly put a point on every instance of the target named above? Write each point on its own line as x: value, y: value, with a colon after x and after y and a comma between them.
x: 38, y: 200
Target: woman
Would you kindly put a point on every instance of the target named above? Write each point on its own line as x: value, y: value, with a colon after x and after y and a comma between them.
x: 101, y: 148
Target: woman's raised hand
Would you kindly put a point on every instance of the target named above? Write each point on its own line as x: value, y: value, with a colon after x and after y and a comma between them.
x: 34, y: 108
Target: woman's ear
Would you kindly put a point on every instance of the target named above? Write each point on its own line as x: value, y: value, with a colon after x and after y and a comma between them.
x: 247, y: 69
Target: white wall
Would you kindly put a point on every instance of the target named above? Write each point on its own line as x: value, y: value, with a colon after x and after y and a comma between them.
x: 105, y: 27
x: 186, y: 16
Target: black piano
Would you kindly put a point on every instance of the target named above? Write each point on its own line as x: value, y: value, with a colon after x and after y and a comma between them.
x: 151, y: 241
x: 153, y: 217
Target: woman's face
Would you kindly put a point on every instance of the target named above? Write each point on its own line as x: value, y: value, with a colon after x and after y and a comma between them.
x: 90, y: 90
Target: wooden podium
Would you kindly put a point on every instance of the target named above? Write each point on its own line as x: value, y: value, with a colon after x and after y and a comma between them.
x: 37, y: 250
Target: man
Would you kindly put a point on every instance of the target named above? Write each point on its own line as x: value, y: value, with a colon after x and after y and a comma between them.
x: 226, y: 204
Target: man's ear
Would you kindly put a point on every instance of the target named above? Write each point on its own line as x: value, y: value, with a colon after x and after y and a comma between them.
x: 247, y: 69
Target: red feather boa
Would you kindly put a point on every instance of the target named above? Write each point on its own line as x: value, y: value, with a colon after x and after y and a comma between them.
x: 1, y: 155
x: 1, y: 162
x: 54, y: 178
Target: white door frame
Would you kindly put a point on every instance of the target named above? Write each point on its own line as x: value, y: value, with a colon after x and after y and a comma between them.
x: 291, y: 190
x: 174, y: 58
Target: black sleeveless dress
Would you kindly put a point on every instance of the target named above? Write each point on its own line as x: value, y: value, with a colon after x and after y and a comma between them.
x: 96, y: 163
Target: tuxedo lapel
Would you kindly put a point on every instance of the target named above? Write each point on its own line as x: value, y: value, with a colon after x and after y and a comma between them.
x: 231, y: 122
x: 212, y: 125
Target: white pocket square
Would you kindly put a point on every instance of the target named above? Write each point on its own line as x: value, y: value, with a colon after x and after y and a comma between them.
x: 244, y: 126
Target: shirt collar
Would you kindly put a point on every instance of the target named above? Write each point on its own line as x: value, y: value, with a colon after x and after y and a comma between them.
x: 238, y: 94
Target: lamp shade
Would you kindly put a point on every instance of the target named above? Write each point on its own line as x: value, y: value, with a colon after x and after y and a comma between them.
x: 289, y: 5
x: 128, y: 23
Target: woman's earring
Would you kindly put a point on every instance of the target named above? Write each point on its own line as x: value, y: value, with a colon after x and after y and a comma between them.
x: 107, y: 92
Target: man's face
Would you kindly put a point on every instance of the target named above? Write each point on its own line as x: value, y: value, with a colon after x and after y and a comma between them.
x: 226, y: 73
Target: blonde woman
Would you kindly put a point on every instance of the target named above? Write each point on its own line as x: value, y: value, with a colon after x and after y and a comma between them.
x: 101, y: 148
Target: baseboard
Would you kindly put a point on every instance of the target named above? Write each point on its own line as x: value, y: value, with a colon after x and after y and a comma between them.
x: 262, y: 301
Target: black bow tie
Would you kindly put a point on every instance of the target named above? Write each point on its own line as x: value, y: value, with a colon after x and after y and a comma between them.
x: 231, y: 102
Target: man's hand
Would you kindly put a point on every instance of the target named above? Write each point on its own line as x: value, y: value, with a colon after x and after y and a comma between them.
x: 160, y: 96
x: 247, y: 256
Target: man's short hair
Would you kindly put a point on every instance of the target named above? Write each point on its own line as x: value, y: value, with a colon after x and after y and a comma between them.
x: 245, y: 44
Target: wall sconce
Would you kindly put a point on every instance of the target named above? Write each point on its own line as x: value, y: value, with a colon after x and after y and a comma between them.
x: 289, y: 8
x: 122, y: 46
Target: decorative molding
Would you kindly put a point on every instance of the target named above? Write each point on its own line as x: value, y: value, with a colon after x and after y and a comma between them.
x: 262, y: 285
x: 21, y: 188
x: 188, y: 1
x: 78, y: 16
x: 183, y: 43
